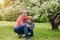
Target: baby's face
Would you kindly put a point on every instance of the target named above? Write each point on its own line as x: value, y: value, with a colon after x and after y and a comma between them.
x: 28, y: 20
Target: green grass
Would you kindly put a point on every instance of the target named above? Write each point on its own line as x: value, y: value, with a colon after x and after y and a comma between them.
x: 42, y: 31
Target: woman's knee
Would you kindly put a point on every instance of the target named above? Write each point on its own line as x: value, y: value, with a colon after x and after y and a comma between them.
x: 24, y: 25
x: 15, y: 30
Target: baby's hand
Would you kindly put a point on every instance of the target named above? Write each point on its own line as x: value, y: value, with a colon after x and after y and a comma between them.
x: 29, y: 26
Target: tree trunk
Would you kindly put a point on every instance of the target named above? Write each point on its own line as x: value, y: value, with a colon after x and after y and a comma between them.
x: 54, y: 25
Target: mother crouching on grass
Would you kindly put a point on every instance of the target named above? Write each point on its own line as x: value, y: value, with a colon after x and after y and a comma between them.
x: 20, y: 25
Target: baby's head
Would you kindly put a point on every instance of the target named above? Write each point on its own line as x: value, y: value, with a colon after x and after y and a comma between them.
x: 29, y: 19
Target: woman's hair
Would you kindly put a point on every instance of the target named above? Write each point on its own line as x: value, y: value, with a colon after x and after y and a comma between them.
x: 23, y: 11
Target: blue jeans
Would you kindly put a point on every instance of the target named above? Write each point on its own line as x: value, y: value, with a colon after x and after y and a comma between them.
x: 21, y: 29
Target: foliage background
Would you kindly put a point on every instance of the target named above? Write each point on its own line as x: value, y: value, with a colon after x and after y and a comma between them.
x: 39, y: 9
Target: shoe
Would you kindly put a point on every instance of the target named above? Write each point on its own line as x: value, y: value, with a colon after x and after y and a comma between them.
x: 20, y: 36
x: 28, y: 39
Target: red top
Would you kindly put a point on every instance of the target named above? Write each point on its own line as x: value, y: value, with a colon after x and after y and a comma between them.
x: 21, y: 20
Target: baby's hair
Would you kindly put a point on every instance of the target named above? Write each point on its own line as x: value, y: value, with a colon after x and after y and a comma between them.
x: 30, y: 17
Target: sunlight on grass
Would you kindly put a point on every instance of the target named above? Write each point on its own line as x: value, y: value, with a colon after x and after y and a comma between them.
x: 6, y: 23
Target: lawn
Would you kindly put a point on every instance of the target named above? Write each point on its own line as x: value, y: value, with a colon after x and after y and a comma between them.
x: 42, y: 31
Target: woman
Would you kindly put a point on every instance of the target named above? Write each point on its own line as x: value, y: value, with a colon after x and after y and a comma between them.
x: 20, y: 25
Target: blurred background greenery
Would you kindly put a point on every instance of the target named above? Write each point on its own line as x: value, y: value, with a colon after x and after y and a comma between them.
x: 39, y: 9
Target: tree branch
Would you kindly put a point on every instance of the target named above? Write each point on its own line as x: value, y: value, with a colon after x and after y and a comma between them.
x: 56, y: 14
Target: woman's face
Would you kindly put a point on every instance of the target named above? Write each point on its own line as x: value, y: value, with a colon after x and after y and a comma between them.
x: 24, y: 13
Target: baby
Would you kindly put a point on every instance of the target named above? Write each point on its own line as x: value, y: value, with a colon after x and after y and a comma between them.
x: 30, y: 25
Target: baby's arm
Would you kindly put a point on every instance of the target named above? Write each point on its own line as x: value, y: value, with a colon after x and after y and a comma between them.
x: 29, y: 26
